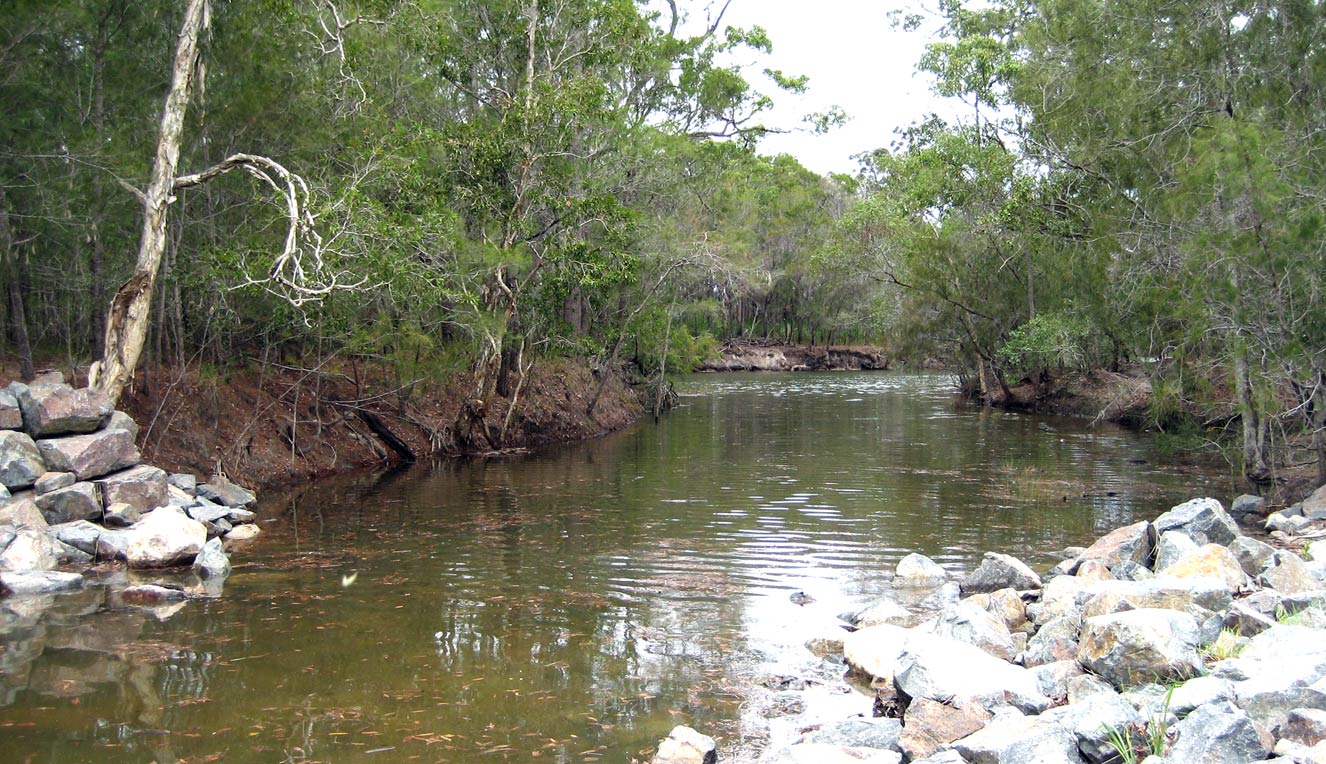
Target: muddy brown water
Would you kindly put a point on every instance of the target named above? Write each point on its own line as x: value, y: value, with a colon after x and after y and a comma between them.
x: 574, y: 605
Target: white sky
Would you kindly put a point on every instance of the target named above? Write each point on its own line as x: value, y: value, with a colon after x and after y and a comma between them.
x: 854, y: 59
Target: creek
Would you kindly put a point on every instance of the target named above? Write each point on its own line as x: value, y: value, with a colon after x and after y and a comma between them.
x: 574, y: 605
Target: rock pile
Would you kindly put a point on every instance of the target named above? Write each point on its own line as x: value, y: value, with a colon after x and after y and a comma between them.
x: 1176, y: 641
x: 74, y: 490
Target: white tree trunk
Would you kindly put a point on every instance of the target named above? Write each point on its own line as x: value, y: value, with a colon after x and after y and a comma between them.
x: 129, y: 315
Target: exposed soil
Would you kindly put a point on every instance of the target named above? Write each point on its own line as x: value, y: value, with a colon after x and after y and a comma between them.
x: 1098, y: 395
x: 284, y: 425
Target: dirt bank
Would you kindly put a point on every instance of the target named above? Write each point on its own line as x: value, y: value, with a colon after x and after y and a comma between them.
x: 1099, y: 395
x: 284, y: 425
x: 755, y: 356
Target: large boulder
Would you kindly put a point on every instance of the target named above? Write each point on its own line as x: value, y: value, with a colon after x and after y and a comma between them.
x: 1092, y: 720
x: 30, y: 549
x: 885, y: 610
x: 1314, y: 506
x: 52, y: 481
x: 931, y: 725
x: 92, y: 455
x: 20, y: 461
x: 686, y: 746
x: 1246, y: 507
x: 1253, y: 555
x: 1000, y: 571
x: 220, y: 490
x: 875, y: 651
x: 80, y: 501
x: 1217, y: 733
x: 163, y: 538
x: 1172, y: 546
x: 142, y: 487
x: 212, y: 561
x: 1288, y: 574
x: 11, y: 416
x: 1305, y: 726
x: 1205, y: 521
x: 1006, y: 605
x: 917, y: 570
x: 40, y: 581
x: 1131, y: 543
x: 1211, y: 561
x: 1054, y: 679
x: 1200, y: 691
x: 79, y: 534
x: 1015, y: 739
x: 967, y: 622
x: 1055, y: 641
x: 1139, y: 646
x: 1197, y: 596
x: 947, y: 670
x: 859, y: 732
x: 55, y: 409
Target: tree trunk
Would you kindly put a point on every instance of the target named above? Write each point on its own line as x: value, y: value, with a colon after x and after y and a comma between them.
x: 130, y: 310
x: 1255, y: 467
x: 14, y: 276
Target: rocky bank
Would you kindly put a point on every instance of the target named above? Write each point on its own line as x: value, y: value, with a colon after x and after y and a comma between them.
x: 736, y: 356
x: 1179, y: 640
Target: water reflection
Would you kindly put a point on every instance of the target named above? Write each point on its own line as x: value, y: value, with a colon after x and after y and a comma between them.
x: 575, y: 605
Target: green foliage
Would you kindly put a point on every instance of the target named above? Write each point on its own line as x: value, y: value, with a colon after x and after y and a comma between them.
x: 1048, y: 340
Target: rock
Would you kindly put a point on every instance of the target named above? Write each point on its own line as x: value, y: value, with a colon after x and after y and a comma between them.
x: 212, y: 561
x: 1269, y: 699
x: 22, y: 512
x: 785, y: 682
x: 966, y: 622
x: 165, y: 537
x: 1253, y: 555
x: 1056, y: 641
x: 122, y: 421
x: 1082, y: 687
x: 1000, y: 571
x: 943, y: 757
x: 1015, y: 739
x: 1006, y: 605
x: 1140, y: 645
x: 947, y: 670
x: 1246, y: 506
x: 1288, y: 574
x: 1314, y: 506
x: 40, y: 582
x: 80, y: 534
x: 1094, y: 570
x: 919, y: 571
x: 51, y: 481
x: 30, y: 550
x: 1289, y: 752
x: 1245, y: 621
x: 56, y: 409
x: 92, y: 455
x: 1127, y: 570
x: 873, y: 651
x: 1203, y: 520
x: 1172, y: 546
x: 113, y: 544
x: 827, y: 645
x: 825, y: 753
x: 11, y: 416
x: 79, y: 501
x: 782, y: 704
x: 1211, y: 561
x: 1217, y: 733
x: 5, y: 496
x: 1091, y: 721
x: 686, y: 746
x: 1052, y: 679
x: 1133, y: 543
x: 1197, y: 596
x: 184, y: 481
x: 859, y: 733
x: 930, y: 725
x: 1200, y: 691
x: 237, y: 516
x: 222, y: 491
x: 211, y: 515
x: 884, y: 610
x: 142, y: 487
x: 1305, y: 726
x: 121, y: 515
x: 20, y: 461
x: 1290, y: 524
x: 247, y: 532
x: 151, y: 594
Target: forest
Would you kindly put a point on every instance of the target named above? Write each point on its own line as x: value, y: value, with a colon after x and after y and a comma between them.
x: 455, y: 187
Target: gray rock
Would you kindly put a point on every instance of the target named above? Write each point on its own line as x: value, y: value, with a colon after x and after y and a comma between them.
x: 859, y: 733
x: 212, y: 561
x: 917, y: 570
x: 1269, y: 699
x: 184, y: 481
x: 1006, y: 605
x: 222, y: 491
x: 80, y: 534
x: 1289, y: 752
x: 142, y: 487
x: 1082, y: 687
x: 165, y: 537
x: 1217, y: 733
x: 20, y: 461
x: 1172, y: 546
x: 121, y: 515
x: 1197, y: 596
x: 947, y: 670
x: 5, y: 495
x: 1314, y: 506
x: 1286, y: 573
x: 31, y: 549
x: 238, y: 516
x: 22, y: 512
x: 1000, y: 571
x: 885, y: 610
x: 1127, y: 570
x: 51, y: 481
x: 1053, y: 679
x: 930, y: 725
x: 1246, y: 621
x: 1056, y: 641
x: 56, y: 409
x: 11, y: 416
x: 1305, y: 726
x: 967, y: 622
x: 92, y: 455
x: 944, y: 757
x: 1201, y: 691
x: 1285, y: 523
x: 248, y: 532
x: 1091, y: 720
x: 1015, y: 739
x: 872, y: 651
x: 1205, y: 521
x: 686, y: 746
x: 1133, y: 543
x: 1136, y: 646
x: 79, y: 501
x: 113, y: 544
x: 1210, y: 561
x: 1247, y: 506
x: 30, y: 582
x: 122, y: 421
x: 69, y: 555
x: 826, y: 753
x: 1252, y: 554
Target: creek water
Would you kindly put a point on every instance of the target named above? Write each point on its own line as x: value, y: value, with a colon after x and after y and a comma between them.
x: 574, y: 605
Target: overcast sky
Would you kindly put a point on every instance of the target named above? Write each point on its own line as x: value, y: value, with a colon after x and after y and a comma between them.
x: 854, y: 59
